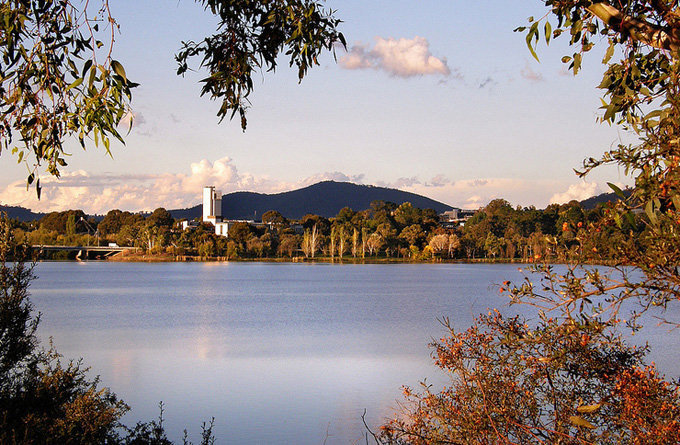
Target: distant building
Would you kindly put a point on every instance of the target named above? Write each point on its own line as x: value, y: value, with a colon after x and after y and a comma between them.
x: 189, y: 225
x: 212, y: 205
x: 212, y: 212
x: 449, y: 215
x: 455, y: 217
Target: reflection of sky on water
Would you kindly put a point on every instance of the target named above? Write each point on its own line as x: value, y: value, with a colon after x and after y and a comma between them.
x: 280, y: 353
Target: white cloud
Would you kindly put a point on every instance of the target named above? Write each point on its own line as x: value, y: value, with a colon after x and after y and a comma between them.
x: 99, y: 193
x: 136, y: 119
x: 439, y: 181
x: 475, y: 193
x: 398, y: 57
x: 102, y: 192
x: 474, y: 202
x: 402, y: 183
x: 357, y: 58
x: 529, y: 74
x: 331, y: 176
x: 578, y: 192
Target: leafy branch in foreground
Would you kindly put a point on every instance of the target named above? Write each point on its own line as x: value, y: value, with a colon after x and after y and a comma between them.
x: 58, y: 80
x: 250, y: 37
x: 641, y: 93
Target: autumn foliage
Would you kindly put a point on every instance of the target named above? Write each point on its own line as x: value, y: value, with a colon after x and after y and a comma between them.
x: 572, y: 382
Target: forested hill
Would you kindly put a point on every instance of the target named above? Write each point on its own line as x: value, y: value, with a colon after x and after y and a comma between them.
x: 324, y: 198
x: 20, y: 213
x: 591, y: 203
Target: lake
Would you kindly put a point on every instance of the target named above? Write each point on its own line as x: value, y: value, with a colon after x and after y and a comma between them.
x: 275, y: 352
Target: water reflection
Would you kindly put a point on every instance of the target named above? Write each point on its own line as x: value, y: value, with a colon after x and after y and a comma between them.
x: 284, y: 353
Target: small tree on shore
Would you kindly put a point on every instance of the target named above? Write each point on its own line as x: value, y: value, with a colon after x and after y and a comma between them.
x: 41, y: 399
x: 573, y: 382
x: 44, y: 400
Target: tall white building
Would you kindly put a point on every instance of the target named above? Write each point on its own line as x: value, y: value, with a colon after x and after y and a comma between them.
x: 212, y: 205
x: 212, y: 213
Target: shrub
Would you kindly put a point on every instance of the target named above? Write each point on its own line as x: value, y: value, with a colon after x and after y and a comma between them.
x: 557, y: 382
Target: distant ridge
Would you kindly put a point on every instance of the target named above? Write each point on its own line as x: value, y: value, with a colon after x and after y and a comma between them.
x: 20, y: 213
x: 602, y: 198
x: 324, y: 198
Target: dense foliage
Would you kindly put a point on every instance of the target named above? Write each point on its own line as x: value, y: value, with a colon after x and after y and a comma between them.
x: 570, y: 378
x: 41, y: 399
x: 57, y: 80
x: 496, y: 232
x: 555, y: 382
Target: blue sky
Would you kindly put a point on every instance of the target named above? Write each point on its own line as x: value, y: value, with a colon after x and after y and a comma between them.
x: 438, y: 98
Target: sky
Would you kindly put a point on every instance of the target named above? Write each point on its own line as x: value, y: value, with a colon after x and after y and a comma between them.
x: 439, y: 98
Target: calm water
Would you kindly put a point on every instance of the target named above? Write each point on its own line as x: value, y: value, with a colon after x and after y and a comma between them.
x: 277, y: 353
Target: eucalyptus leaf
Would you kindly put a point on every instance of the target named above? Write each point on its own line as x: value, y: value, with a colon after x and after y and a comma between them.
x: 581, y: 422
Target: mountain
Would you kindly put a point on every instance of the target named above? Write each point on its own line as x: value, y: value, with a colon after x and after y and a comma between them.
x: 324, y: 198
x: 602, y: 198
x: 20, y: 213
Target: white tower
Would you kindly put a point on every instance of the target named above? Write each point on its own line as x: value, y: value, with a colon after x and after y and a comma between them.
x: 212, y: 205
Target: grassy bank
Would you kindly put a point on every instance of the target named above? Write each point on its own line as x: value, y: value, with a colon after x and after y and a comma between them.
x: 166, y: 257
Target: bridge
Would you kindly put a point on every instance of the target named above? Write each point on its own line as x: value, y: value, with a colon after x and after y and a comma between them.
x: 83, y: 252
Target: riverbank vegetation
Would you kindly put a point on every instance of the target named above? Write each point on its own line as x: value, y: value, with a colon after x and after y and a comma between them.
x: 384, y: 232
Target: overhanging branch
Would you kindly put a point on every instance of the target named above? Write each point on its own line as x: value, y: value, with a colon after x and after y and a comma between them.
x: 638, y: 30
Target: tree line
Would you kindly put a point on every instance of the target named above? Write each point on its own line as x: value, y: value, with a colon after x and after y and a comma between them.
x: 495, y: 232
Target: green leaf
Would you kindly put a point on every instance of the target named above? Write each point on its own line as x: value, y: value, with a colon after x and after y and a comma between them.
x: 630, y: 219
x: 548, y: 32
x: 91, y: 79
x: 87, y: 66
x: 617, y: 190
x: 649, y: 210
x: 531, y: 48
x: 118, y: 69
x: 676, y: 202
x: 653, y: 114
x: 76, y: 83
x: 577, y: 63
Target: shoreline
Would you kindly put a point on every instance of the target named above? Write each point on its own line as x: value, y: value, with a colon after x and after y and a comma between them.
x: 167, y: 258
